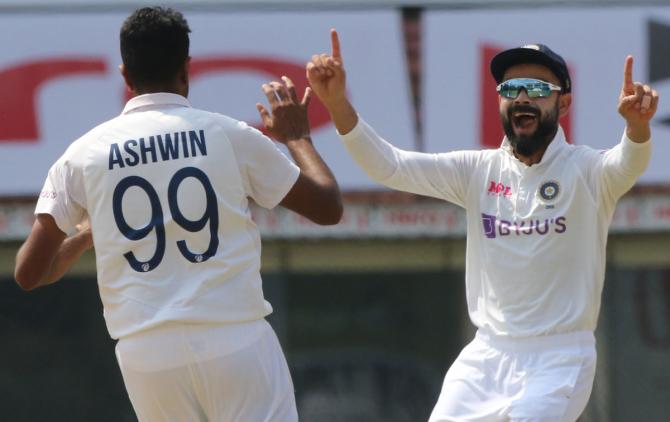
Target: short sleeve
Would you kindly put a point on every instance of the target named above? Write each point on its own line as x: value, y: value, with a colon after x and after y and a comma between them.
x: 62, y: 196
x: 267, y: 173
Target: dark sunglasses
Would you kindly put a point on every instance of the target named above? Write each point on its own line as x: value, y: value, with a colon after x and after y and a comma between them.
x: 534, y: 88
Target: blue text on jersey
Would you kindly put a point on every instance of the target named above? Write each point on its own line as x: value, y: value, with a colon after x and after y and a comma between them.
x: 157, y: 148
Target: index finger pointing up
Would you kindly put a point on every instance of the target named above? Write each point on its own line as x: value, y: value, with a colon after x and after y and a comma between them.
x: 628, y: 75
x: 335, y: 42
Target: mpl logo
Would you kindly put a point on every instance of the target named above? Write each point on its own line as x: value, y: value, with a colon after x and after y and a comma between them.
x: 494, y: 227
x: 499, y: 189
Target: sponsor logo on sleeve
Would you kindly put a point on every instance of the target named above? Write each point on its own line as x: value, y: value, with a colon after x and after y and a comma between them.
x: 48, y: 194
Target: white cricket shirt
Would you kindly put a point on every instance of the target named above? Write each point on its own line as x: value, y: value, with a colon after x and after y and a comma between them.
x: 536, y: 235
x: 165, y: 187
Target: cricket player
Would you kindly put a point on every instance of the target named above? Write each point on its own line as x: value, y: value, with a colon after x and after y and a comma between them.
x: 535, y: 248
x: 166, y: 188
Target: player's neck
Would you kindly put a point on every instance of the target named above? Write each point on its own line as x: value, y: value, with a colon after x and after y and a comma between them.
x: 531, y: 159
x: 159, y: 89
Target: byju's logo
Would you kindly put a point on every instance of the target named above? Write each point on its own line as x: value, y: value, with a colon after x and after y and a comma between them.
x: 489, y: 222
x: 494, y: 227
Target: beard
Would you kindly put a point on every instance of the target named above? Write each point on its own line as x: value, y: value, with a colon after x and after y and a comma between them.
x: 528, y: 144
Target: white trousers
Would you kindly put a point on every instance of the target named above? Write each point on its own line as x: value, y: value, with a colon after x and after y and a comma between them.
x: 190, y: 373
x: 494, y: 379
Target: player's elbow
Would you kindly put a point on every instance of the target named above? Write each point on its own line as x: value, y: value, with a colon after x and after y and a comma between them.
x: 328, y: 208
x: 331, y: 215
x: 25, y: 278
x: 27, y: 284
x: 336, y: 213
x: 318, y: 201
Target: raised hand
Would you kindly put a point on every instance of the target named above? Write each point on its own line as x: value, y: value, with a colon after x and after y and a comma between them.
x: 637, y: 103
x: 288, y: 120
x: 326, y: 74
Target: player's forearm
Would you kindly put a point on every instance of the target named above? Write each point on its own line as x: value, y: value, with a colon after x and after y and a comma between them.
x: 638, y: 133
x: 343, y: 115
x: 69, y: 253
x: 325, y: 193
x: 378, y: 158
x: 624, y: 164
x: 312, y: 165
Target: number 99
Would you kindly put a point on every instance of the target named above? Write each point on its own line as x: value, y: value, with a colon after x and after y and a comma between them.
x: 157, y: 221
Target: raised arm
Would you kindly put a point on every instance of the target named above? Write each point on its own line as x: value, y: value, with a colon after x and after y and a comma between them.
x: 637, y: 105
x: 435, y: 175
x: 316, y: 194
x: 327, y: 77
x: 47, y: 254
x: 623, y: 164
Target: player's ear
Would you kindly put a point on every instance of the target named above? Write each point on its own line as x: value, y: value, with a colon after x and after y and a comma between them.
x: 126, y: 78
x: 564, y: 102
x: 185, y: 69
x: 181, y: 82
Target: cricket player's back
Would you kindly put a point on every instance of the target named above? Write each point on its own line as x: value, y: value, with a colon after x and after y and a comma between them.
x: 166, y: 186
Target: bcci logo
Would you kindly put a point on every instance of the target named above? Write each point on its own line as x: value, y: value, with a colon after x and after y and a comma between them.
x: 549, y: 190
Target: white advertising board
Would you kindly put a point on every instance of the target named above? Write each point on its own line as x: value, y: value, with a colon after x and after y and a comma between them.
x: 59, y: 78
x: 460, y: 100
x: 415, y: 219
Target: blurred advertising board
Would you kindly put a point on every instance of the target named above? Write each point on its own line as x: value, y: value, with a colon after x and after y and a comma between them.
x: 402, y: 219
x: 59, y: 78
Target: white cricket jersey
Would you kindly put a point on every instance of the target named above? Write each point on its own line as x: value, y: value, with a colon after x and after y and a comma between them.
x: 536, y: 235
x: 166, y: 188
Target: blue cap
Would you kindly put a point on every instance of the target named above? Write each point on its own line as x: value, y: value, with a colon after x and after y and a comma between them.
x: 531, y: 53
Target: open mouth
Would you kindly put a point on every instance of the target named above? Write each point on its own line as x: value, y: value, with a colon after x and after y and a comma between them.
x: 524, y: 120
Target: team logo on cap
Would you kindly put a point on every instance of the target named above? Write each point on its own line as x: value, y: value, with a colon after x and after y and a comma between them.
x: 549, y: 190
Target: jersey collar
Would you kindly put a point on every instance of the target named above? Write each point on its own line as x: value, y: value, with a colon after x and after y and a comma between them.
x: 553, y: 148
x: 154, y: 101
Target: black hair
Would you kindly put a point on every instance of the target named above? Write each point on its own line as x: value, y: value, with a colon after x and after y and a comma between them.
x: 154, y: 45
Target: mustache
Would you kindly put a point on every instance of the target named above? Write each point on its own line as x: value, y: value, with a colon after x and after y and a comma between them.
x: 523, y: 108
